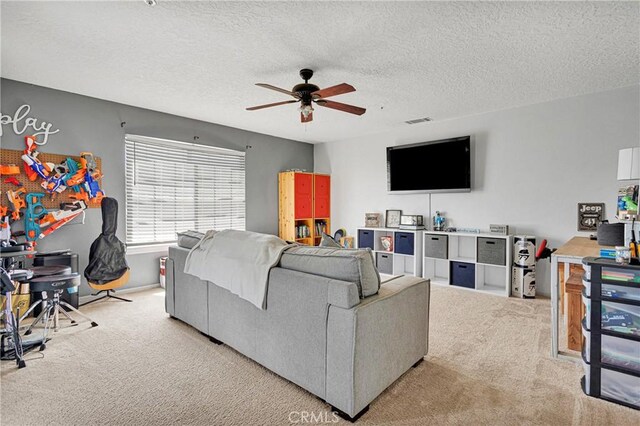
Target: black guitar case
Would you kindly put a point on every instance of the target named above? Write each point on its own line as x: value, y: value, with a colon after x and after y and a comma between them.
x: 107, y: 260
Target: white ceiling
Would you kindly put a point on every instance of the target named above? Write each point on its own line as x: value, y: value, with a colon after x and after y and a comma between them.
x: 406, y: 60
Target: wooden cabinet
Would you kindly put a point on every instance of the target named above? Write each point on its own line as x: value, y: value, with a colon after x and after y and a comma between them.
x: 304, y: 206
x: 322, y: 198
x: 303, y: 195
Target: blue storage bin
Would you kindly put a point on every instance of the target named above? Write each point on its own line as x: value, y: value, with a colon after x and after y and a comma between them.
x: 403, y: 243
x: 365, y: 238
x: 463, y: 274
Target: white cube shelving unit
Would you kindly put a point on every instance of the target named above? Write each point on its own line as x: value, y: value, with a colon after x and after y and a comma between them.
x: 487, y: 260
x: 394, y: 262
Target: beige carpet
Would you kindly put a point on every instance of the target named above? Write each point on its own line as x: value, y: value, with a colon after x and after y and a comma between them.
x: 488, y: 363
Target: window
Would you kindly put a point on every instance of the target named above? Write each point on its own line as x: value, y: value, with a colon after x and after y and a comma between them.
x: 176, y: 186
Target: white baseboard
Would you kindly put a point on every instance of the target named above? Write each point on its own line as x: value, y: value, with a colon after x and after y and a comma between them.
x: 88, y: 297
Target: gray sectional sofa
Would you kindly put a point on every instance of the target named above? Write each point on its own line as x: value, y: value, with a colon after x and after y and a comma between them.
x: 323, y: 333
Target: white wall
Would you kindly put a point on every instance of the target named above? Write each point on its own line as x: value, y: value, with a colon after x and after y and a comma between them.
x: 533, y: 164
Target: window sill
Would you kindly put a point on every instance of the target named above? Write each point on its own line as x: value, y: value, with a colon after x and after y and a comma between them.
x: 149, y: 248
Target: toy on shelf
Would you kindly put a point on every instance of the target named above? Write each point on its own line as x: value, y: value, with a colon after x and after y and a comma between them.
x: 627, y: 202
x: 439, y: 222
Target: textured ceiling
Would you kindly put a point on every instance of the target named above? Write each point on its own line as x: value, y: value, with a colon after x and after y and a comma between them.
x: 406, y: 60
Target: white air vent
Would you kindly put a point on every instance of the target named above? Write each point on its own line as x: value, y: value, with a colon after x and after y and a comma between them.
x: 419, y: 120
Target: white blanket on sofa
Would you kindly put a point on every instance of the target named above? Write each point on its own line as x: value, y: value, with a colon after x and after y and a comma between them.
x: 239, y: 261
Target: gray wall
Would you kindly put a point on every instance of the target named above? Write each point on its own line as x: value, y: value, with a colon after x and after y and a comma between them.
x: 533, y: 164
x: 89, y: 124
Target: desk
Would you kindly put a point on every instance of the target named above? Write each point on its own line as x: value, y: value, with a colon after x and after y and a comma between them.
x: 570, y: 253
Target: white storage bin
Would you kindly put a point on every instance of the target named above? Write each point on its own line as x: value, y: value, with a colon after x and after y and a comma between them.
x: 620, y: 292
x: 614, y: 351
x: 614, y: 291
x: 614, y: 385
x: 612, y: 273
x: 620, y: 317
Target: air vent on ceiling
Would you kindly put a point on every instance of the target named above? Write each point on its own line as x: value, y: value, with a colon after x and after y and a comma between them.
x: 419, y: 120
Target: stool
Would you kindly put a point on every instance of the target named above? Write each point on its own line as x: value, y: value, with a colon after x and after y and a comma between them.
x: 42, y: 271
x: 53, y: 307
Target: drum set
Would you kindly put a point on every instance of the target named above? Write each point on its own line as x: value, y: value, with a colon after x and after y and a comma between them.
x: 50, y: 282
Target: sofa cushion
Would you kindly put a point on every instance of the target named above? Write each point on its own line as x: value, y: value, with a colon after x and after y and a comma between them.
x: 188, y: 239
x: 351, y: 265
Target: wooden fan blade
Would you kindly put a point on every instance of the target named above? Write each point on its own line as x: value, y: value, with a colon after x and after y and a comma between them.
x: 333, y: 91
x: 308, y: 119
x: 270, y: 105
x: 341, y: 107
x: 277, y: 89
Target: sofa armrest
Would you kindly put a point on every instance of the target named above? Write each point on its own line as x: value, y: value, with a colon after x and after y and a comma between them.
x: 372, y: 344
x: 343, y: 294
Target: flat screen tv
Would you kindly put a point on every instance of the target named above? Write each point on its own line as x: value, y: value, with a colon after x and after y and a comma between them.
x: 436, y: 166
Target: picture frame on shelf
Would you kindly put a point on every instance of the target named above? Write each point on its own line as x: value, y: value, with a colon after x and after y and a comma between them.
x: 414, y: 222
x: 392, y: 218
x: 347, y: 242
x: 373, y: 220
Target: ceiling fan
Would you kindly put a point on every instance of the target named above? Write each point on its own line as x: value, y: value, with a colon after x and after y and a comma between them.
x: 307, y: 93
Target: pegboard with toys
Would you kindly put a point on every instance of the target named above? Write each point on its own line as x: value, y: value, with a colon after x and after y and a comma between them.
x: 45, y: 190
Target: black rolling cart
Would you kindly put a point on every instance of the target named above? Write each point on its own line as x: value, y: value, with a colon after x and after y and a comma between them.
x: 611, y: 331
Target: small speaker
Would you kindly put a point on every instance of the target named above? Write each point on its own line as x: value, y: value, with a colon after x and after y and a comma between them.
x: 611, y: 234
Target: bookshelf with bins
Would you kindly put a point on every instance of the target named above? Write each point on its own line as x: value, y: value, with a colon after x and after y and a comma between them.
x: 303, y: 206
x: 404, y: 256
x: 479, y: 262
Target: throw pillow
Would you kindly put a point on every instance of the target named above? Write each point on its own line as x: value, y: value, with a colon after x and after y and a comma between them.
x: 328, y: 241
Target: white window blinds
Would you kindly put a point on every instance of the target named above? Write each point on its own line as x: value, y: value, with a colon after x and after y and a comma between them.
x: 176, y: 186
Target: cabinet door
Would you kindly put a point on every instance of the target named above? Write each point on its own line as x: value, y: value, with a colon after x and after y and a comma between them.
x: 322, y: 196
x: 303, y: 195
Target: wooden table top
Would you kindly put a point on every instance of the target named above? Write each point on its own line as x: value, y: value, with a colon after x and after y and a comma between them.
x: 580, y: 247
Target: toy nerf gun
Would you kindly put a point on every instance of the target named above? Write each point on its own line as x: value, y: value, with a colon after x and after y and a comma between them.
x: 16, y: 201
x: 57, y: 219
x: 72, y: 169
x: 56, y: 180
x: 10, y: 169
x: 34, y: 212
x: 51, y: 182
x: 31, y: 153
x: 36, y: 167
x: 87, y: 178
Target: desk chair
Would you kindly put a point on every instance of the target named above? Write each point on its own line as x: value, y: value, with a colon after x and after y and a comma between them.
x: 107, y: 268
x: 108, y: 288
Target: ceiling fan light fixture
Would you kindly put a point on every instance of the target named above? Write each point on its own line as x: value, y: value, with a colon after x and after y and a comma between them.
x: 306, y: 110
